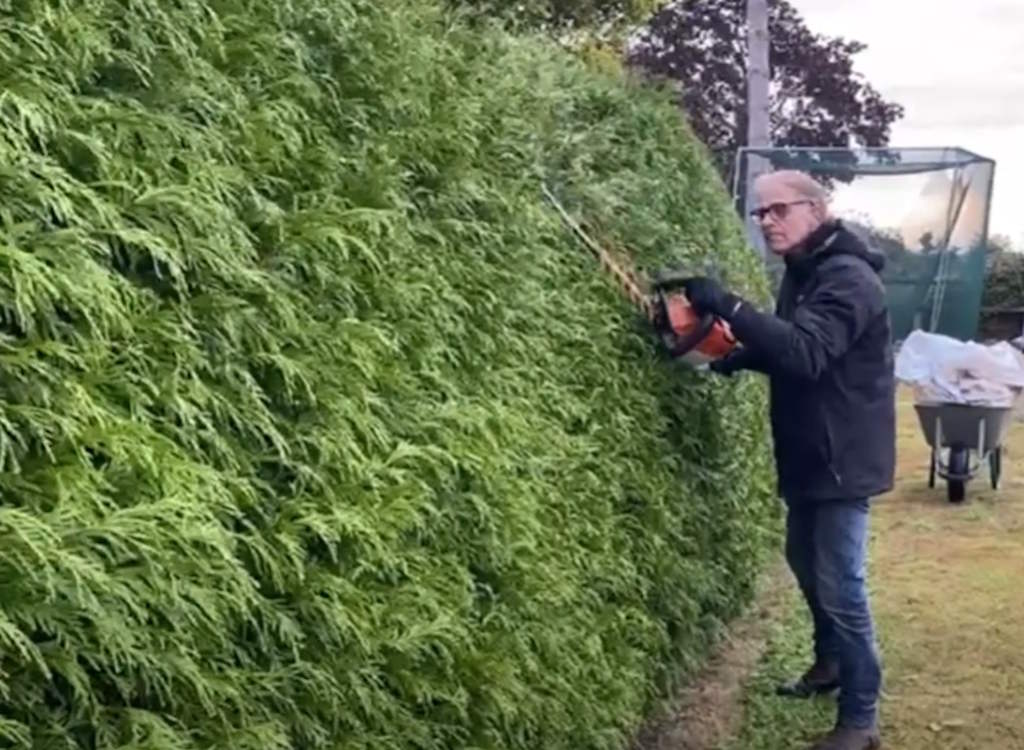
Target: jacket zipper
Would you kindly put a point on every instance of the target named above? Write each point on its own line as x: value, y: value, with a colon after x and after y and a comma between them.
x: 831, y: 449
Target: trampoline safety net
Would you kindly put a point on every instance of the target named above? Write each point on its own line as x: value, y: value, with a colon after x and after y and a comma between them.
x: 926, y: 209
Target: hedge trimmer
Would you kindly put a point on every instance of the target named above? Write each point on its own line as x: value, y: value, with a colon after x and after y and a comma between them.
x: 695, y: 340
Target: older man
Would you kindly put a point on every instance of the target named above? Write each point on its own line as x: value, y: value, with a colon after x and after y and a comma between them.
x: 827, y: 354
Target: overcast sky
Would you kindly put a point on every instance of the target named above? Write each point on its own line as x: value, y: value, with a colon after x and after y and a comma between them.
x: 957, y: 67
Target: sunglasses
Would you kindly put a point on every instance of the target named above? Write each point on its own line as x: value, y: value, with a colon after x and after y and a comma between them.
x: 778, y: 211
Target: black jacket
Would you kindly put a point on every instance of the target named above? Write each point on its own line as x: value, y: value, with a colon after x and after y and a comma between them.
x: 828, y: 354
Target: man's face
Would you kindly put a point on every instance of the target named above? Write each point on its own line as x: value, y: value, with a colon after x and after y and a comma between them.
x: 786, y: 218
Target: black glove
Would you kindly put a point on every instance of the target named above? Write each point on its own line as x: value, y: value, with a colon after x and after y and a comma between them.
x: 727, y: 365
x: 707, y: 296
x: 669, y: 278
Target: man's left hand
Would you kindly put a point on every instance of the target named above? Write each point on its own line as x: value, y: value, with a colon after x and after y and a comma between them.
x: 707, y: 296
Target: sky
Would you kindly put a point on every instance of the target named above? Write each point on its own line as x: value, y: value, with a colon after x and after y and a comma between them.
x: 957, y: 67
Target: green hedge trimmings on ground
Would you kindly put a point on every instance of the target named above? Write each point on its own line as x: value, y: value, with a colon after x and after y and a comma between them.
x: 317, y: 429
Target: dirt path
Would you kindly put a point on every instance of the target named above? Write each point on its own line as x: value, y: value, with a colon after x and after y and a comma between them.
x: 709, y: 711
x: 948, y: 594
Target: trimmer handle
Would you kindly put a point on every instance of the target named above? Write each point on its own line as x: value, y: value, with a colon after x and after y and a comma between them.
x: 665, y: 281
x: 669, y: 280
x: 677, y: 337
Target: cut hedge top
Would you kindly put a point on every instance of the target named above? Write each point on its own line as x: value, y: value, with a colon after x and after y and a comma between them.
x: 316, y: 429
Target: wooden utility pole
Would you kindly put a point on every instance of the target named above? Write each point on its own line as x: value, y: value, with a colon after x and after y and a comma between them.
x: 758, y: 123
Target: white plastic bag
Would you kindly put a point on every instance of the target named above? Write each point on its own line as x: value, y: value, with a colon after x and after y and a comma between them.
x: 946, y: 370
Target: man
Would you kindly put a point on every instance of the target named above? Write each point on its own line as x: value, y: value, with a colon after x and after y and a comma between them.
x: 828, y: 356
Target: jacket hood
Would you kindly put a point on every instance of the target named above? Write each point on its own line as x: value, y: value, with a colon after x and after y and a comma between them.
x: 833, y: 238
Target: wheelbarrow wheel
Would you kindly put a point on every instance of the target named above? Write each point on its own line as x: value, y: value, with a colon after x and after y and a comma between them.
x: 931, y: 472
x: 959, y: 465
x: 995, y: 466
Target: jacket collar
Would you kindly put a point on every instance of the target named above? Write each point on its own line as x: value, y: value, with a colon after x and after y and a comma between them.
x: 814, y: 247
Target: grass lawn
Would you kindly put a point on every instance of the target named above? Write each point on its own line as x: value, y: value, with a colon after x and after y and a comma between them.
x: 947, y: 587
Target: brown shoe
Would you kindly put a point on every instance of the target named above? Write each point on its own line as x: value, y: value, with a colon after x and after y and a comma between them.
x: 846, y: 738
x: 821, y: 678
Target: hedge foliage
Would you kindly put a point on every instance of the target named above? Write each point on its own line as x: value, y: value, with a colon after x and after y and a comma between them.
x: 317, y: 429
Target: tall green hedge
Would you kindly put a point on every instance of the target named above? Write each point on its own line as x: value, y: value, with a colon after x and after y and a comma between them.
x: 317, y: 429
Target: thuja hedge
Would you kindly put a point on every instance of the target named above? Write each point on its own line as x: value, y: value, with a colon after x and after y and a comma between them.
x: 317, y: 429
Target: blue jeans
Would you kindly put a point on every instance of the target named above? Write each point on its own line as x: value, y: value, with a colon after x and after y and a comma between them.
x: 826, y: 547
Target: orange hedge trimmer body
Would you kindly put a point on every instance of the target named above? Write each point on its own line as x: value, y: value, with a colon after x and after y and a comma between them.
x: 687, y: 336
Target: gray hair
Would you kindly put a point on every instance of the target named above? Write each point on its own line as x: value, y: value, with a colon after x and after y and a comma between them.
x: 800, y: 183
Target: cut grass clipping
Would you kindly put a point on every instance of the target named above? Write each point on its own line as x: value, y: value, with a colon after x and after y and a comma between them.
x: 317, y: 428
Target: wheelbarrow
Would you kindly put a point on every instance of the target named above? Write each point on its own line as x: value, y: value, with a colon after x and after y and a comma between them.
x: 970, y: 436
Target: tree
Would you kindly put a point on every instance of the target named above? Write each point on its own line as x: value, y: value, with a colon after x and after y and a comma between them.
x: 817, y: 99
x: 999, y: 245
x: 1004, y: 277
